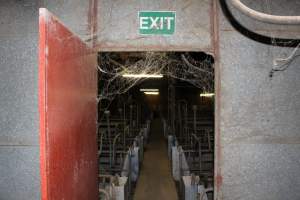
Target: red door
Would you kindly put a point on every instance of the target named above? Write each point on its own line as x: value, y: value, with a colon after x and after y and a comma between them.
x: 68, y: 110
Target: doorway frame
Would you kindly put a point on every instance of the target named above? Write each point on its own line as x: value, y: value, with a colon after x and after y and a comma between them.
x: 214, y: 50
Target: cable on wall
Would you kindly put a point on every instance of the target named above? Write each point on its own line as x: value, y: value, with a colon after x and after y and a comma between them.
x: 263, y: 17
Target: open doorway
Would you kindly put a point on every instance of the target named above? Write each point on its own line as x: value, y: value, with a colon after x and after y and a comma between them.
x: 151, y: 96
x: 155, y: 115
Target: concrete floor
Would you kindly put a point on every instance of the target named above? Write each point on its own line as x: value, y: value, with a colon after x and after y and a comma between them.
x: 155, y: 181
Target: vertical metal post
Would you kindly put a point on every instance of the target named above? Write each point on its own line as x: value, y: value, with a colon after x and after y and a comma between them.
x: 209, y: 142
x: 180, y: 121
x: 124, y: 127
x: 185, y: 120
x: 195, y: 117
x: 171, y: 105
x: 130, y: 119
x: 107, y: 113
x: 129, y: 172
x: 120, y: 112
x: 137, y: 115
x: 200, y: 155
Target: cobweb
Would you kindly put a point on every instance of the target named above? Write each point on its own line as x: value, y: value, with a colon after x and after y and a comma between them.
x: 183, y: 66
x: 282, y: 57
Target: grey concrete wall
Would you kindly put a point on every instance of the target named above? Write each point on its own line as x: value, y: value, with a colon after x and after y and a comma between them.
x: 118, y: 25
x: 259, y: 115
x: 74, y: 14
x: 19, y: 150
x: 19, y: 125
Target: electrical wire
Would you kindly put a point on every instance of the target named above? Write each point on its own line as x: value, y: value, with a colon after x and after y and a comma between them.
x: 267, y: 18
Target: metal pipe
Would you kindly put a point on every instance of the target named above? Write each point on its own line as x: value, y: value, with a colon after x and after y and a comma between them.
x: 180, y: 161
x: 101, y: 139
x: 202, y: 195
x: 263, y: 17
x: 106, y: 194
x: 137, y: 115
x: 107, y: 113
x: 126, y: 132
x: 120, y: 113
x: 130, y: 118
x: 172, y: 108
x: 208, y: 137
x: 129, y: 171
x: 195, y: 117
x: 199, y: 149
x: 114, y: 147
x: 185, y: 119
x: 124, y: 126
x: 180, y: 121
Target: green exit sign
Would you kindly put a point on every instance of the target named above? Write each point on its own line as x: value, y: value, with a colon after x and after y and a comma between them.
x: 157, y: 22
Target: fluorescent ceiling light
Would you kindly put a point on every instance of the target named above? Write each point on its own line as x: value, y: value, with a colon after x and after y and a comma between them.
x: 151, y: 93
x: 148, y: 90
x: 207, y: 95
x: 143, y: 75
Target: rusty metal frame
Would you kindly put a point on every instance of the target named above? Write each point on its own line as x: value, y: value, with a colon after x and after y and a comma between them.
x: 218, y: 148
x: 92, y: 21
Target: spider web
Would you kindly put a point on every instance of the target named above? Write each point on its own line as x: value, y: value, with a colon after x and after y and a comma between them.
x: 176, y: 65
x: 282, y: 57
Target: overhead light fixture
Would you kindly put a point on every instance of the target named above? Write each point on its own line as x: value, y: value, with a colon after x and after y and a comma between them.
x: 151, y: 93
x: 143, y: 75
x: 207, y: 94
x: 148, y: 90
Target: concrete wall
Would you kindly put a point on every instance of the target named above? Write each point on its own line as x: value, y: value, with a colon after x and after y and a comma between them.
x: 75, y: 14
x: 259, y: 116
x: 19, y: 125
x: 19, y: 149
x: 259, y: 158
x: 118, y: 25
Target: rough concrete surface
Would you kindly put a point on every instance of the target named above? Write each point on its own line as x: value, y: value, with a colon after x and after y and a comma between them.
x: 259, y: 151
